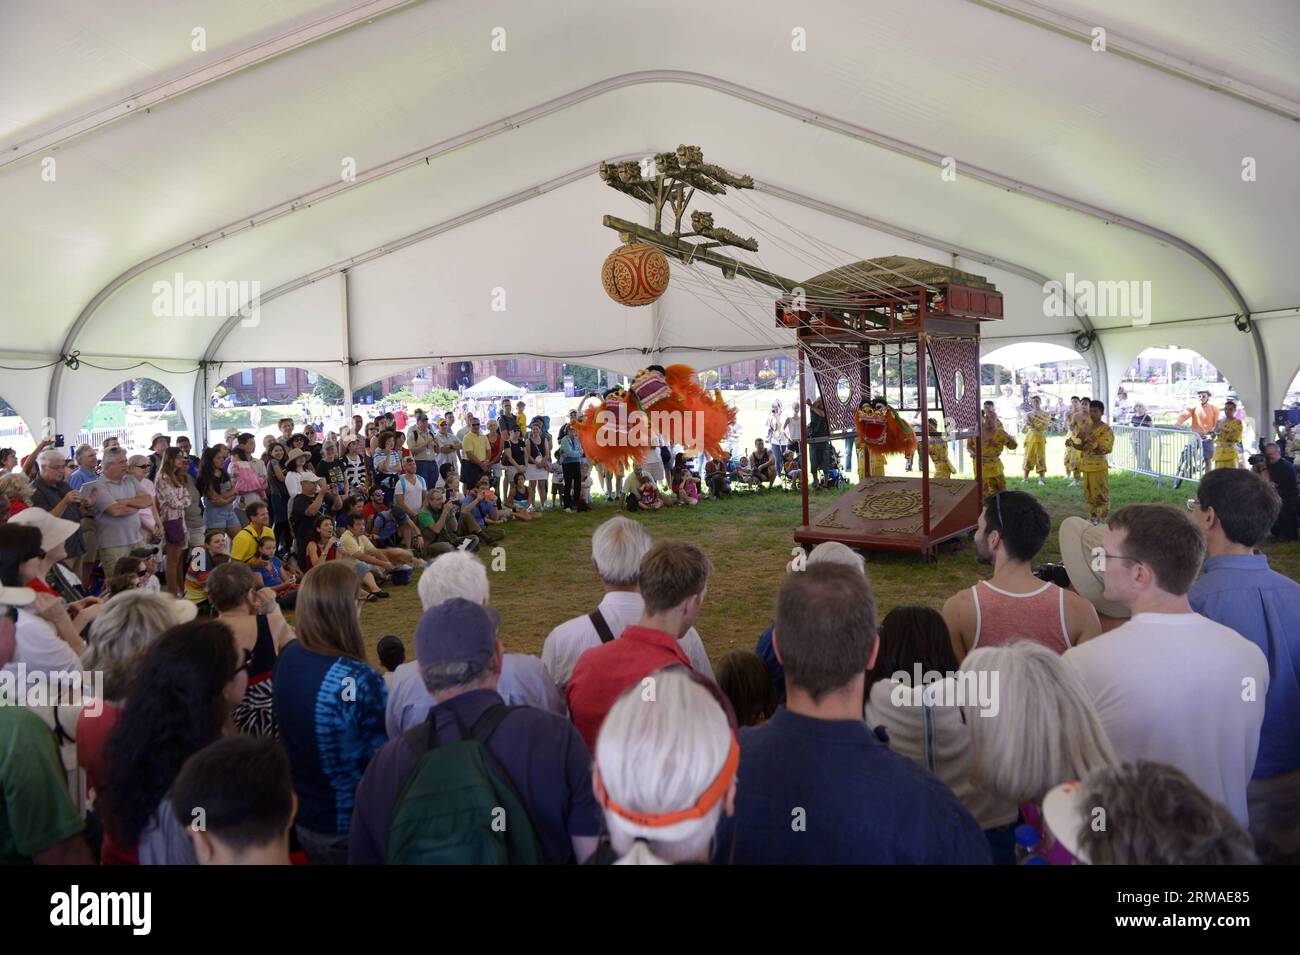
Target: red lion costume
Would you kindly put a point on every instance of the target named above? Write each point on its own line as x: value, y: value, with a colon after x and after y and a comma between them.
x: 616, y: 431
x: 881, y: 432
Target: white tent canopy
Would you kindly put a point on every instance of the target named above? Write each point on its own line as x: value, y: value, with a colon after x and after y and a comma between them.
x: 413, y: 181
x: 494, y: 387
x: 1029, y: 355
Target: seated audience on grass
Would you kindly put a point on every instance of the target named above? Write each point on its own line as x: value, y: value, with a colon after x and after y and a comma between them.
x: 324, y: 548
x: 763, y: 464
x: 1034, y: 728
x: 281, y: 581
x: 250, y: 611
x: 744, y: 680
x: 38, y: 822
x: 524, y: 679
x: 55, y: 532
x: 1239, y: 590
x: 329, y: 707
x: 119, y: 639
x: 673, y: 580
x: 716, y: 479
x: 408, y: 499
x: 479, y: 514
x: 518, y: 500
x: 245, y: 544
x: 929, y: 726
x: 819, y: 786
x: 185, y: 689
x: 392, y: 654
x: 828, y: 551
x: 1155, y: 815
x: 617, y: 548
x: 358, y: 546
x: 48, y: 639
x: 241, y: 789
x: 1015, y: 605
x: 543, y: 758
x: 306, y: 500
x: 213, y: 553
x: 665, y: 771
x: 439, y: 522
x: 790, y: 467
x: 1171, y: 685
x: 649, y: 497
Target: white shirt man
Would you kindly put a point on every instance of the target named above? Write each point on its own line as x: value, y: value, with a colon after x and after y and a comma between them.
x: 448, y: 447
x: 617, y: 548
x: 1170, y: 685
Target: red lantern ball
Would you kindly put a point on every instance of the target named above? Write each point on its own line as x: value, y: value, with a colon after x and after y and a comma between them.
x: 635, y: 274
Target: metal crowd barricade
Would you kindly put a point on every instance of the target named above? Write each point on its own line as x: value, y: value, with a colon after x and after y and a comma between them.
x: 1166, y: 454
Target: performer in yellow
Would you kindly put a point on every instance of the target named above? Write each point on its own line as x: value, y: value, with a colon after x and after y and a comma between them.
x: 1077, y: 416
x: 1227, y: 435
x: 938, y: 452
x: 993, y: 438
x: 1094, y: 441
x: 1036, y: 425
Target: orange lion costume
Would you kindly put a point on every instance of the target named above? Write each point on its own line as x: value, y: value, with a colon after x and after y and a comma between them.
x: 670, y: 401
x: 881, y: 432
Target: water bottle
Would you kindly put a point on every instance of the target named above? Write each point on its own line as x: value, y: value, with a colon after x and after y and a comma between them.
x: 1028, y: 845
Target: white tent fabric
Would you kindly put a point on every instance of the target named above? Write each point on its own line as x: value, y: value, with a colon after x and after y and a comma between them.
x: 1028, y: 354
x: 494, y: 387
x: 471, y: 227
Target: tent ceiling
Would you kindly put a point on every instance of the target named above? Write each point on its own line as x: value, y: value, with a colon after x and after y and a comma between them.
x: 1024, y: 110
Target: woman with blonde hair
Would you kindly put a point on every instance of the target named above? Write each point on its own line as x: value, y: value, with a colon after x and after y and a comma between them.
x: 17, y: 490
x: 173, y: 498
x: 329, y: 707
x: 666, y: 770
x: 1038, y: 730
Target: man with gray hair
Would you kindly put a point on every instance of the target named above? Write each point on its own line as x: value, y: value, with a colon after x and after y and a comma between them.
x: 524, y: 679
x: 616, y: 551
x: 118, y: 499
x: 52, y: 492
x: 539, y: 753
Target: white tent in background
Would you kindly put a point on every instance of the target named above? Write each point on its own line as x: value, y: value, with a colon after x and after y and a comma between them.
x: 406, y: 182
x: 494, y: 387
x: 1029, y: 355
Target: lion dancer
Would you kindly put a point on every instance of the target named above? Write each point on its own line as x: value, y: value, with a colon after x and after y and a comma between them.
x: 1036, y: 425
x: 1073, y: 421
x: 993, y: 438
x: 881, y: 432
x: 1093, y: 442
x: 1227, y: 435
x: 939, y: 452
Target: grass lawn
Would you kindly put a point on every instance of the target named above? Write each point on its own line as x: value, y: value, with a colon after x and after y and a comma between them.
x: 548, y: 577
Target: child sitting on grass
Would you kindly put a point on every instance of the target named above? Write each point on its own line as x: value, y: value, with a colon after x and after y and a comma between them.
x: 520, y: 509
x: 274, y: 576
x: 392, y: 654
x: 650, y: 497
x: 790, y: 465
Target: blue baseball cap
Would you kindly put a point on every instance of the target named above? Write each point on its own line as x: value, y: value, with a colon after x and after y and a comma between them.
x: 457, y: 631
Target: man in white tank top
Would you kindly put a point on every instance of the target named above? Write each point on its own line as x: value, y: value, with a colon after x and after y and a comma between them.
x: 1015, y: 605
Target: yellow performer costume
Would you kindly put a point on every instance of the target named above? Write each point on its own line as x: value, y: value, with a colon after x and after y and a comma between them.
x: 939, y: 457
x: 1226, y: 438
x: 991, y: 459
x: 1036, y: 443
x: 1071, y: 453
x: 1093, y: 442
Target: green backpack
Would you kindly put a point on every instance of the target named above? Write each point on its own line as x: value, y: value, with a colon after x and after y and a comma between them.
x: 460, y: 806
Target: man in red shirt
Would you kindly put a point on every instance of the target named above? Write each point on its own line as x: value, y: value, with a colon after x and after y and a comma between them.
x: 674, y: 578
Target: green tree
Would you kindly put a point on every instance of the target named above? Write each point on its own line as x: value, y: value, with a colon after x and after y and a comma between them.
x: 150, y: 392
x: 586, y: 378
x: 327, y: 391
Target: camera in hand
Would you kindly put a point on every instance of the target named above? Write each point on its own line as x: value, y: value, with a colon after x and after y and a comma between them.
x: 58, y: 440
x: 1053, y: 574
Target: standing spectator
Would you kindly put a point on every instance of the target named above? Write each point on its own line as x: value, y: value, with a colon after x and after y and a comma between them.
x: 521, y: 417
x: 188, y: 684
x: 278, y: 496
x: 538, y: 455
x: 513, y: 456
x: 1235, y: 509
x: 1203, y: 417
x: 571, y: 454
x: 242, y: 605
x: 1014, y: 604
x: 1171, y: 685
x: 158, y: 446
x: 776, y: 431
x: 819, y: 786
x: 356, y: 470
x: 17, y: 489
x: 673, y: 580
x: 1282, y: 474
x: 666, y: 771
x: 38, y: 823
x: 386, y: 463
x: 150, y: 523
x: 478, y: 453
x: 617, y: 549
x: 87, y: 468
x: 821, y: 454
x: 408, y: 500
x: 119, y: 639
x: 496, y: 446
x: 118, y: 499
x: 247, y: 472
x: 218, y: 490
x: 423, y: 445
x: 329, y: 705
x: 183, y: 442
x: 8, y: 460
x: 541, y: 756
x: 245, y: 790
x: 53, y: 493
x: 173, y: 497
